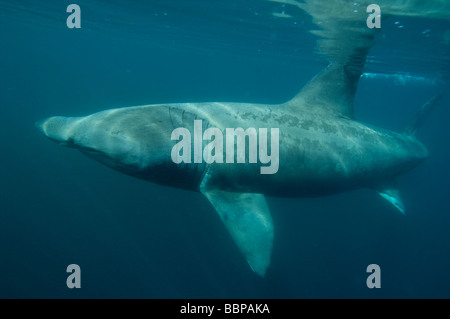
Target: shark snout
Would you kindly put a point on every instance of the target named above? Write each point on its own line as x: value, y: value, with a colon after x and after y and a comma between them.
x: 57, y: 128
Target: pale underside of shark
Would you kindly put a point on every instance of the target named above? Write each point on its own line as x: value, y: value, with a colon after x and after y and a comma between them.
x: 322, y: 150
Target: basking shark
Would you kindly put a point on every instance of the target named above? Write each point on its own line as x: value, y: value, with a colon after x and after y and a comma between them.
x: 322, y: 150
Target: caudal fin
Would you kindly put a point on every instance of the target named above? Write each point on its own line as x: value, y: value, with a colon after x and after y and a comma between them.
x: 422, y: 115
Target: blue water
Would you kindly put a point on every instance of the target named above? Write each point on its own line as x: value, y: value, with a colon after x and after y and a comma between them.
x: 134, y: 239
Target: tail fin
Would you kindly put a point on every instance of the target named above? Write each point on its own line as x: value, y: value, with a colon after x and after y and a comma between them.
x: 421, y: 115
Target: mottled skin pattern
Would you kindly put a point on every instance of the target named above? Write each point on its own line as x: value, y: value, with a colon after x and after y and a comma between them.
x: 320, y: 153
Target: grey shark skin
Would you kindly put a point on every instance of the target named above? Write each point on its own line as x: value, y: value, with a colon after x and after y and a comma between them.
x: 322, y: 150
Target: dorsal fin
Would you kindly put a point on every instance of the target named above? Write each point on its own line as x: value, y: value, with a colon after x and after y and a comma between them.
x: 344, y: 39
x: 332, y: 91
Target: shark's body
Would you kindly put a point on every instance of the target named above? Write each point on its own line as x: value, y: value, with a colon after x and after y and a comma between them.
x: 322, y: 150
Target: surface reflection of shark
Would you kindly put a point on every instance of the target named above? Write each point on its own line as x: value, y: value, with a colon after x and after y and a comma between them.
x: 322, y: 148
x: 402, y: 79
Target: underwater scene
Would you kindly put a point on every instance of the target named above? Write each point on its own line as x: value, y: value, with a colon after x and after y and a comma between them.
x: 244, y: 149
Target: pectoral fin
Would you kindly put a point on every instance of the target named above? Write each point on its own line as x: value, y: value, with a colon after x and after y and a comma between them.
x: 248, y: 220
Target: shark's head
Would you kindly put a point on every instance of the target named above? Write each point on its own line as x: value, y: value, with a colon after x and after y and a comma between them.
x: 92, y: 137
x: 135, y: 141
x: 57, y: 128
